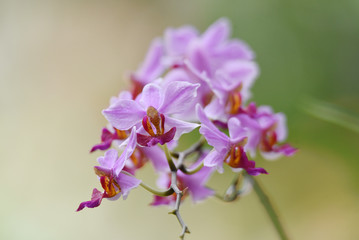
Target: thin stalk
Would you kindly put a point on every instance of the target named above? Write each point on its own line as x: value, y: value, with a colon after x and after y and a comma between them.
x: 169, y: 158
x: 191, y: 171
x: 272, y: 213
x: 179, y: 194
x: 151, y: 190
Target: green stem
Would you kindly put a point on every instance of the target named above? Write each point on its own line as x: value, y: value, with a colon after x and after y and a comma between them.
x: 169, y: 158
x: 158, y: 193
x: 191, y: 171
x: 269, y: 208
x: 151, y: 190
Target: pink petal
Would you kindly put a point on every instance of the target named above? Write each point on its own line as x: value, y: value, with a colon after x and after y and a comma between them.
x: 127, y: 183
x: 152, y: 66
x: 214, y: 137
x: 151, y: 96
x: 182, y: 127
x: 126, y: 154
x: 216, y: 34
x: 237, y: 132
x: 95, y: 201
x: 108, y: 161
x: 177, y: 40
x: 178, y: 96
x: 124, y: 114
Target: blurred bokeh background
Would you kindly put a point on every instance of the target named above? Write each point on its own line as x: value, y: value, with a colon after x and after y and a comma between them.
x: 61, y: 61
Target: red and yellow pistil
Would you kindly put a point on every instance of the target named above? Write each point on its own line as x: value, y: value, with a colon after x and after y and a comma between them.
x: 269, y: 139
x: 235, y: 156
x: 138, y: 158
x: 121, y: 134
x: 109, y: 184
x: 234, y: 101
x: 154, y: 124
x: 155, y: 119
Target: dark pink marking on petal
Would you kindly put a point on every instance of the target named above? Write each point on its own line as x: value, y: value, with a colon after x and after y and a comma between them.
x: 146, y: 141
x: 168, y: 136
x: 95, y: 201
x: 102, y: 146
x: 287, y: 149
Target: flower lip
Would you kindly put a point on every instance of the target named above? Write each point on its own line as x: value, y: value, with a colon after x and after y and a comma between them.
x: 157, y: 121
x: 108, y: 182
x: 154, y: 120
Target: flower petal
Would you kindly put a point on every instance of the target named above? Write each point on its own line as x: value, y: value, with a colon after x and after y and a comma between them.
x: 177, y: 40
x: 215, y: 158
x: 216, y: 34
x: 214, y: 137
x: 281, y: 129
x: 151, y: 96
x: 127, y: 183
x: 95, y: 201
x: 234, y: 73
x: 237, y: 132
x: 178, y: 97
x: 182, y: 127
x: 126, y: 154
x: 152, y: 66
x: 124, y: 114
x: 216, y: 110
x: 234, y: 49
x: 109, y: 159
x: 102, y: 146
x: 157, y: 157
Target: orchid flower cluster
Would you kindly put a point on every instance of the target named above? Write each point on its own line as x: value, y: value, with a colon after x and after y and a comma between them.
x: 187, y: 81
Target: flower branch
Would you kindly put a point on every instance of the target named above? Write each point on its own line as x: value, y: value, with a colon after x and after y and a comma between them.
x: 179, y: 195
x: 272, y: 213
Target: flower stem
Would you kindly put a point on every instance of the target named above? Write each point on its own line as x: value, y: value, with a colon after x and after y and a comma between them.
x: 191, y: 171
x: 272, y: 213
x: 179, y: 195
x: 150, y: 189
x: 169, y: 158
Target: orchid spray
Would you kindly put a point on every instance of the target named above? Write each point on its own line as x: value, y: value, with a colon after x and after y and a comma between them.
x: 189, y: 81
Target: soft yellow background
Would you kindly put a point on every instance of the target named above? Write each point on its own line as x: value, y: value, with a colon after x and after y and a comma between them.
x: 61, y: 61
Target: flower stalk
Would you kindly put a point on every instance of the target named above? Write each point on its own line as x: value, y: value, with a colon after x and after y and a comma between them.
x: 272, y: 213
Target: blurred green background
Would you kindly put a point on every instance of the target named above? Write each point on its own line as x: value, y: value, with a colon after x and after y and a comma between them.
x: 61, y: 61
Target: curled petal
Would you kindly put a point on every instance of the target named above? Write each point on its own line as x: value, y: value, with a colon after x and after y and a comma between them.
x: 255, y: 171
x: 102, y: 146
x: 287, y: 149
x: 149, y: 141
x: 95, y: 201
x: 249, y: 166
